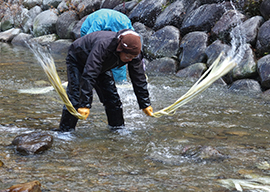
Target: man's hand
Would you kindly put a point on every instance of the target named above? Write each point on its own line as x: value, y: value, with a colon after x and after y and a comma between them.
x: 148, y: 111
x: 84, y: 112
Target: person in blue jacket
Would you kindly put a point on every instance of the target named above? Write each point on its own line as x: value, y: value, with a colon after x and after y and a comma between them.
x: 108, y: 20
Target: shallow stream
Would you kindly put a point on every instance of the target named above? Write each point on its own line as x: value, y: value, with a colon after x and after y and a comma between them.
x: 147, y: 156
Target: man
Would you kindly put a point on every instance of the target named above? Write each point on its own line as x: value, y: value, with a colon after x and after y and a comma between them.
x: 89, y: 63
x: 108, y: 20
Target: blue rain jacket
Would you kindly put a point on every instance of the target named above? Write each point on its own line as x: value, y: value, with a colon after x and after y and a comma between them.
x: 108, y: 20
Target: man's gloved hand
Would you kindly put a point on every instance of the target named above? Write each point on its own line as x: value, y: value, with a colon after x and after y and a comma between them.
x: 148, y: 111
x: 84, y: 112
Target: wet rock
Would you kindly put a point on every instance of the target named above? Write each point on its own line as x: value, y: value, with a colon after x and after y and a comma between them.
x: 145, y: 33
x: 163, y: 43
x: 21, y: 39
x: 8, y: 35
x: 248, y: 85
x: 194, y: 71
x: 27, y: 24
x: 44, y: 23
x: 147, y: 11
x: 199, y: 153
x: 265, y: 9
x: 213, y: 51
x: 76, y: 31
x: 87, y: 7
x: 247, y: 66
x: 60, y: 46
x: 263, y: 66
x: 263, y: 39
x: 44, y: 40
x: 192, y: 49
x: 202, y: 19
x: 65, y: 24
x: 31, y: 3
x: 32, y: 143
x: 110, y: 4
x: 33, y: 186
x: 49, y: 4
x: 229, y: 20
x: 249, y: 29
x: 175, y: 13
x: 126, y: 7
x: 164, y: 65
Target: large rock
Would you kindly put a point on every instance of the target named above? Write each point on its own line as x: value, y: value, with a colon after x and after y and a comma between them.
x: 164, y: 65
x: 202, y: 19
x: 263, y: 66
x: 248, y: 29
x: 44, y: 23
x: 246, y: 85
x: 87, y: 7
x: 65, y: 24
x: 21, y: 39
x: 229, y: 20
x: 265, y: 9
x: 76, y: 31
x: 147, y: 11
x: 32, y: 143
x: 263, y: 39
x: 126, y: 7
x: 175, y: 13
x: 8, y: 35
x: 110, y: 4
x: 192, y: 49
x: 27, y: 24
x: 145, y: 33
x: 194, y: 71
x: 163, y: 43
x: 31, y: 3
x: 49, y: 4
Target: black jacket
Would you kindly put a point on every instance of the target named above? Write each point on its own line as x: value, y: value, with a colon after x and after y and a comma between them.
x: 94, y: 54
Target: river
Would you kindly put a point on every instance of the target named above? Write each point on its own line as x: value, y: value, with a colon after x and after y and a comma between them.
x: 148, y: 154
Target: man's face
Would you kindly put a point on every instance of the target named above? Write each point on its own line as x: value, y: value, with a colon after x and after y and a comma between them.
x: 126, y: 57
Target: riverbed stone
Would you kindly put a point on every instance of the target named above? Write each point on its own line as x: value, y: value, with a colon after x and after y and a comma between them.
x: 27, y: 24
x: 87, y: 7
x: 147, y: 11
x: 265, y: 9
x: 192, y: 49
x: 175, y: 13
x: 8, y: 35
x: 163, y: 43
x: 145, y: 33
x: 263, y: 66
x: 32, y: 143
x: 65, y: 24
x: 202, y: 19
x: 33, y: 186
x: 263, y: 39
x: 44, y: 23
x: 126, y: 7
x: 247, y: 85
x: 50, y: 4
x: 229, y: 20
x: 249, y: 29
x: 193, y: 71
x: 31, y: 3
x: 76, y: 31
x: 21, y: 39
x: 164, y: 65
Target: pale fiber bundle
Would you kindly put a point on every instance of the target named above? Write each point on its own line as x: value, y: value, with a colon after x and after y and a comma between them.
x: 215, y: 71
x: 47, y: 63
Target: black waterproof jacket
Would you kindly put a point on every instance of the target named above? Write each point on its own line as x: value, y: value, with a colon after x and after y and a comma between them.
x: 94, y: 54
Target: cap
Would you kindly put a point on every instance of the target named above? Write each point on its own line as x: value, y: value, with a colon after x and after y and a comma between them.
x: 129, y: 42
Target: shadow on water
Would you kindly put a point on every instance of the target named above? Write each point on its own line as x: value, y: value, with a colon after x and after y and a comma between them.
x: 148, y: 155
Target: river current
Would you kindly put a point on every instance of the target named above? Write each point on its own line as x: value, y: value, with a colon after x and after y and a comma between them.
x: 148, y: 154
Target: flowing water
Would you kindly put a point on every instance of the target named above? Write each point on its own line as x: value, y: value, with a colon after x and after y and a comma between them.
x: 148, y: 155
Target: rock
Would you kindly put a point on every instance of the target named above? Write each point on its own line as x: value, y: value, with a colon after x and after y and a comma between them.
x: 145, y: 33
x: 194, y: 71
x: 263, y: 67
x: 60, y: 46
x: 8, y: 35
x: 202, y: 19
x: 76, y: 31
x: 175, y: 13
x: 31, y: 3
x: 33, y: 186
x: 1, y: 163
x: 65, y: 24
x: 247, y: 85
x: 147, y: 11
x: 45, y: 39
x: 126, y: 7
x: 164, y: 65
x: 32, y: 143
x: 263, y: 39
x: 21, y: 39
x: 45, y: 23
x: 249, y: 29
x: 49, y: 4
x: 229, y: 20
x: 163, y: 43
x: 265, y: 9
x: 27, y: 24
x: 88, y: 6
x: 192, y: 49
x: 246, y: 67
x: 110, y: 4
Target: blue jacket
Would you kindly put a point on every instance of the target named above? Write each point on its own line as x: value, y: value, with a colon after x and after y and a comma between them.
x: 105, y: 20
